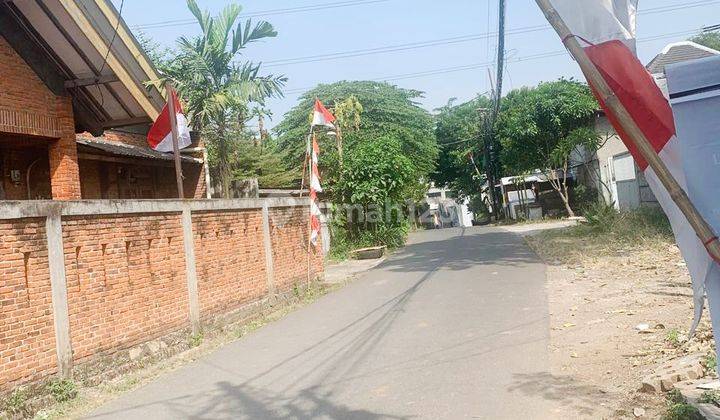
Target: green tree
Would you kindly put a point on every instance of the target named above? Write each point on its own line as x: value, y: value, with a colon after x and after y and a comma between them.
x: 387, y: 111
x: 217, y: 85
x: 539, y: 128
x: 457, y: 131
x: 373, y: 188
x: 250, y: 158
x: 708, y: 39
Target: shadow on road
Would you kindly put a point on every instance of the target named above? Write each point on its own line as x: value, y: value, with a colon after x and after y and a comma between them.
x: 469, y: 248
x: 566, y: 391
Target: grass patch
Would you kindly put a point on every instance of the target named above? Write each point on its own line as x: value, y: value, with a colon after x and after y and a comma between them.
x: 196, y: 339
x: 607, y: 232
x: 710, y: 397
x: 679, y: 409
x: 63, y: 390
x: 673, y: 337
x: 17, y: 403
x: 711, y: 363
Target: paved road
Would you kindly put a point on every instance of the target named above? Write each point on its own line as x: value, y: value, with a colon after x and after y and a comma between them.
x: 454, y: 326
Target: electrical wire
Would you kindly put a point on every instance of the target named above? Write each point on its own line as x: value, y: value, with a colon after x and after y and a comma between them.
x: 475, y: 66
x: 112, y: 41
x: 283, y: 11
x: 449, y: 41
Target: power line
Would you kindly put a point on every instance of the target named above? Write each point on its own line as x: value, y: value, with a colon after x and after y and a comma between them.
x: 490, y: 64
x: 272, y: 12
x: 451, y: 40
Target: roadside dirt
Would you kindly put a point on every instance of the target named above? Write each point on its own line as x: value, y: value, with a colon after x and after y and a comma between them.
x: 600, y: 292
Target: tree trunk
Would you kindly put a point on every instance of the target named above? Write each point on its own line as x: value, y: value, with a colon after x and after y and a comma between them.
x: 566, y: 201
x: 224, y: 161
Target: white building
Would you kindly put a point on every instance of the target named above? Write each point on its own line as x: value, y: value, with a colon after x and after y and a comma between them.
x: 450, y: 211
x: 616, y: 175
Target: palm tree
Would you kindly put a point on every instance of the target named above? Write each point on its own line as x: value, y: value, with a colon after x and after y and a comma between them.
x: 210, y: 76
x: 260, y: 112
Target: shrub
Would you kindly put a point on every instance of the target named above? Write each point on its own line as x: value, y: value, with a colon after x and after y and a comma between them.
x: 645, y: 223
x: 62, y: 390
x: 16, y: 403
x: 678, y: 409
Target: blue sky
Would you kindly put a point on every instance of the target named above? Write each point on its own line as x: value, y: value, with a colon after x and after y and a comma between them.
x: 382, y: 23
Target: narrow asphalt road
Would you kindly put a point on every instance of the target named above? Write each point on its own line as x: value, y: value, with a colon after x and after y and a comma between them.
x: 453, y: 326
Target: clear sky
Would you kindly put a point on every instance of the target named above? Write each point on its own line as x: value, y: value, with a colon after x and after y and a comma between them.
x: 455, y: 69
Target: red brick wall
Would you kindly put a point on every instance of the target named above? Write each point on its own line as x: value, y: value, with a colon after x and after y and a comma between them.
x: 230, y: 260
x: 126, y: 280
x: 289, y: 236
x: 21, y: 90
x: 27, y: 336
x: 126, y: 283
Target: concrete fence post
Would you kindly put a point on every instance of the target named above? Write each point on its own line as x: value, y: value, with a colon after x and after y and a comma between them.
x: 267, y: 242
x: 58, y: 285
x: 191, y: 270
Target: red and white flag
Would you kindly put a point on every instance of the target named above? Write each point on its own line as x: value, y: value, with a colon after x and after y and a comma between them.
x: 315, y: 188
x: 160, y: 134
x: 321, y: 116
x: 607, y: 28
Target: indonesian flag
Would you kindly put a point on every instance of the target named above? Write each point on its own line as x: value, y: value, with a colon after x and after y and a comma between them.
x: 160, y: 134
x: 321, y: 116
x: 315, y: 188
x: 607, y: 27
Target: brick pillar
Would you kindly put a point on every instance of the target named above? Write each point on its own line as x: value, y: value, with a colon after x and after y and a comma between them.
x: 64, y: 171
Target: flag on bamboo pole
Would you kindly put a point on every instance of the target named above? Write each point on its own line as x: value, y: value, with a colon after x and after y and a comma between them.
x: 606, y: 28
x: 160, y: 135
x: 315, y: 188
x: 321, y: 116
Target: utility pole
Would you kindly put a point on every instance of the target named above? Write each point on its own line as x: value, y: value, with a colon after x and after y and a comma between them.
x: 489, y: 120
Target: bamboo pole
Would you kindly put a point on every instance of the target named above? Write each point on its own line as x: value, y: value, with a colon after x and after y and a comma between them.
x: 175, y: 140
x: 678, y: 195
x: 310, y: 173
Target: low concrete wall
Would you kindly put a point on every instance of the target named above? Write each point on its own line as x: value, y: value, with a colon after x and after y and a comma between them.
x: 85, y: 279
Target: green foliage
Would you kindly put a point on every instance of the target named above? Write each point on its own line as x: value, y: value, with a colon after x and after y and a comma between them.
x: 643, y: 224
x: 62, y: 390
x: 371, y: 192
x: 17, y: 403
x: 196, y: 339
x: 207, y: 71
x: 673, y: 337
x: 601, y: 216
x: 387, y: 111
x: 250, y: 157
x: 710, y: 397
x: 682, y: 411
x: 376, y: 172
x: 539, y: 127
x: 708, y: 39
x: 678, y: 408
x: 388, y: 153
x: 213, y: 80
x: 457, y: 131
x: 711, y: 363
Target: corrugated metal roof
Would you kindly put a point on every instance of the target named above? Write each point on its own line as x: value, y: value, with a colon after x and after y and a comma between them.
x: 126, y: 150
x: 678, y: 53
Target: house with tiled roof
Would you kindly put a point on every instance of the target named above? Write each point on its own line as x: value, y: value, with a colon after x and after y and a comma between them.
x: 75, y: 108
